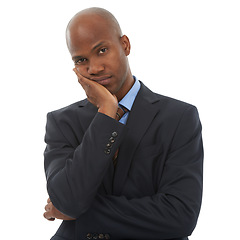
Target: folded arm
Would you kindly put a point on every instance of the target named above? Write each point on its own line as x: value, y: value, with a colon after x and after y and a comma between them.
x: 75, y: 174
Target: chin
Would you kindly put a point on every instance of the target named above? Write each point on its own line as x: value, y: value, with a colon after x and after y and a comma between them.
x: 113, y: 90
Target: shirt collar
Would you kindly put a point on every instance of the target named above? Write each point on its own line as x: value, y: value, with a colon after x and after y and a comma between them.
x: 129, y: 98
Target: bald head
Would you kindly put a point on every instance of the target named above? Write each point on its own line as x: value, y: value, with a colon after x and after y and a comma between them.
x: 92, y: 20
x: 99, y: 50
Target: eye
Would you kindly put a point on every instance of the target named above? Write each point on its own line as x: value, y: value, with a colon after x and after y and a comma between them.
x: 103, y: 50
x: 80, y: 60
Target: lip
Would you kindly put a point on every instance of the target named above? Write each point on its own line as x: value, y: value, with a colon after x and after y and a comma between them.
x: 104, y: 80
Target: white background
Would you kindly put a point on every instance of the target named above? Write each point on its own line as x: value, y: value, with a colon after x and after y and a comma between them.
x: 189, y: 50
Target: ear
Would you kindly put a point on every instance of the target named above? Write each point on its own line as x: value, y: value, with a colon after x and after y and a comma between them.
x: 125, y: 44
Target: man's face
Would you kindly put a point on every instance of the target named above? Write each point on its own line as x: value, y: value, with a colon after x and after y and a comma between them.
x: 100, y: 54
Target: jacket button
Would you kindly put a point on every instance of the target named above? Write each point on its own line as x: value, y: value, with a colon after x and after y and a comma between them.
x: 107, y: 151
x: 109, y: 145
x: 89, y: 236
x: 101, y: 236
x: 114, y: 134
x: 112, y: 140
x: 107, y: 236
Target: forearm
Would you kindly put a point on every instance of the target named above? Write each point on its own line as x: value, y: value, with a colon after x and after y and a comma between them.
x: 170, y: 213
x: 160, y: 216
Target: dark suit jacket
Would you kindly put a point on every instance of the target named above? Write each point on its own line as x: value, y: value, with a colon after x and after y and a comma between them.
x: 155, y: 192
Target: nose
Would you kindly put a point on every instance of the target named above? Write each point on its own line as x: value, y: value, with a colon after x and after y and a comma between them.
x: 95, y: 67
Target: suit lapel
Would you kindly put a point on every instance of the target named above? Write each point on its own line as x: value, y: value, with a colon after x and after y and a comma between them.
x: 140, y: 118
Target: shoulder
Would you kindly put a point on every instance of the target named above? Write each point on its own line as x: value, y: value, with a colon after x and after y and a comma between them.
x: 164, y: 102
x: 68, y: 114
x: 172, y: 104
x: 175, y: 116
x: 170, y: 111
x: 177, y: 111
x: 69, y: 109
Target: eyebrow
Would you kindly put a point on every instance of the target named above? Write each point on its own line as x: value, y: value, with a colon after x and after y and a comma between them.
x: 76, y: 57
x: 96, y: 46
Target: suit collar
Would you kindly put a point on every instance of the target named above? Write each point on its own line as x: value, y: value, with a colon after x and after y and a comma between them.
x: 147, y: 94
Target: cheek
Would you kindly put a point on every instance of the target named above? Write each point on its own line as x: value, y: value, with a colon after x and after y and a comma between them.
x: 123, y: 69
x: 121, y: 64
x: 79, y: 68
x: 118, y: 65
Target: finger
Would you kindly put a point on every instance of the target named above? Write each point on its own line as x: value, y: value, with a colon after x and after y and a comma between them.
x: 115, y: 97
x: 49, y: 200
x: 83, y: 84
x: 81, y: 79
x: 48, y: 207
x: 76, y: 71
x: 48, y: 216
x: 79, y: 75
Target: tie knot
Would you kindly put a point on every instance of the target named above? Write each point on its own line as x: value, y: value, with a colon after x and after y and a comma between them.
x: 120, y: 112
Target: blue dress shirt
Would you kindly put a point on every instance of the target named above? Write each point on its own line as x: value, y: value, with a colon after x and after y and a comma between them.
x: 129, y: 98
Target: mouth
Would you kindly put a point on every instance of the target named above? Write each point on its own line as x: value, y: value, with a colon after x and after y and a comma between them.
x: 104, y: 80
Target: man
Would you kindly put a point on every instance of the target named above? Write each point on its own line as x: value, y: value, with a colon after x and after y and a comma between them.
x: 136, y: 176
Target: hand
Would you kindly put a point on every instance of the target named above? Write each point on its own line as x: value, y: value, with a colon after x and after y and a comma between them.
x: 98, y: 95
x: 52, y: 213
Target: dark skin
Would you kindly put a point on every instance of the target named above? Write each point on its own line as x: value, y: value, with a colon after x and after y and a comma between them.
x: 99, y: 52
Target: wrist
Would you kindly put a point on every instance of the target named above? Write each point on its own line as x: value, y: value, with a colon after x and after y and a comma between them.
x: 109, y: 110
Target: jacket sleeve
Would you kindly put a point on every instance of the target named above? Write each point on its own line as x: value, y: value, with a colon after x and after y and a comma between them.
x: 69, y: 169
x: 173, y: 211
